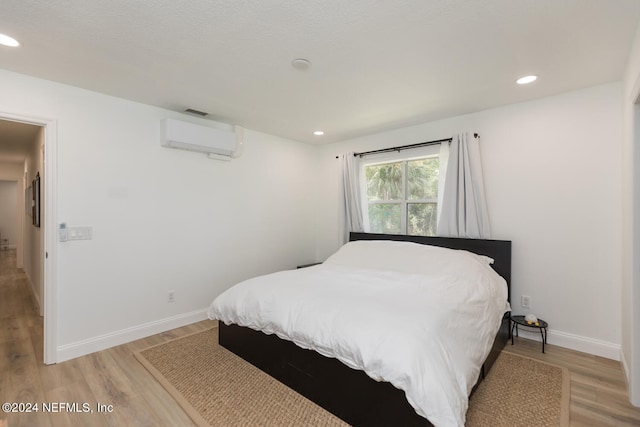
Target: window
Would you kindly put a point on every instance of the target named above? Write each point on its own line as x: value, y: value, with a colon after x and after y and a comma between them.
x: 402, y: 195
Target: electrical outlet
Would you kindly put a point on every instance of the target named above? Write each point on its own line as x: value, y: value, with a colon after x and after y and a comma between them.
x: 525, y: 301
x: 171, y: 297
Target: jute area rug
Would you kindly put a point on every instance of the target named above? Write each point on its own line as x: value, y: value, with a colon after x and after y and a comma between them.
x: 217, y: 388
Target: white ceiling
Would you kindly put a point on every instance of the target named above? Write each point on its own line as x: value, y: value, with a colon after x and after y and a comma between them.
x: 376, y: 64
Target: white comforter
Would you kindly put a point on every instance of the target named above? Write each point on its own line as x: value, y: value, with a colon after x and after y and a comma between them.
x: 427, y: 333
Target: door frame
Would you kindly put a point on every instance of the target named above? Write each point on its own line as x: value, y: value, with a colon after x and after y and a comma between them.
x: 634, y: 291
x: 49, y: 257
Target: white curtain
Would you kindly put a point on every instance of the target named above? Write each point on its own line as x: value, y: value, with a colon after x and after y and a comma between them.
x: 464, y: 209
x: 443, y: 156
x: 352, y: 197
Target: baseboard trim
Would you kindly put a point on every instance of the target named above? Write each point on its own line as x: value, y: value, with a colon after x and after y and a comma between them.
x: 625, y: 369
x: 33, y: 292
x: 628, y: 380
x: 576, y: 342
x: 112, y: 339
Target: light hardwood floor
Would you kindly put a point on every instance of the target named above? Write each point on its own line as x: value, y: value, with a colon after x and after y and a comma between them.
x: 114, y: 376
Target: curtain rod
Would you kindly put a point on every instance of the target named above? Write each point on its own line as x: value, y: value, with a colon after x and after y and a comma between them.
x: 405, y: 147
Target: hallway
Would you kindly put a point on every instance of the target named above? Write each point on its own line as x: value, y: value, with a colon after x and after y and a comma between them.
x: 21, y: 335
x: 21, y: 327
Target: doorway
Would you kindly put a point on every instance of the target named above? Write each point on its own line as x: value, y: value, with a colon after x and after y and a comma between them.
x: 32, y: 168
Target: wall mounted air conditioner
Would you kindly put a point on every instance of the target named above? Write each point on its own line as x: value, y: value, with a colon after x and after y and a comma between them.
x: 218, y: 144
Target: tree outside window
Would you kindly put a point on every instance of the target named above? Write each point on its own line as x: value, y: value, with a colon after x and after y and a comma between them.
x: 403, y: 196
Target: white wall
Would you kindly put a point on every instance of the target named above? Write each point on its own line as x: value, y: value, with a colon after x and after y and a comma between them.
x: 631, y: 222
x: 12, y: 171
x: 552, y: 177
x: 9, y: 212
x: 162, y: 219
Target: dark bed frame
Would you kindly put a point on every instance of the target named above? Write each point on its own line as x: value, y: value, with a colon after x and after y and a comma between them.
x: 351, y: 394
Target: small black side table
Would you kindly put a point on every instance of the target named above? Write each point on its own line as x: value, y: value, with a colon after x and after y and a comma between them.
x: 519, y: 320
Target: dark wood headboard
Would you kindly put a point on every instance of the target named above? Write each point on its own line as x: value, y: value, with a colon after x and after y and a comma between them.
x: 499, y: 250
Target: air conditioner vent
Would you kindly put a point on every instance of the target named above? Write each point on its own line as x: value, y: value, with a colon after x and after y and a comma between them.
x: 196, y: 112
x: 217, y: 143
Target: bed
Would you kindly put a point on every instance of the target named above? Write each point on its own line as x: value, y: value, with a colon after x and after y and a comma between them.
x: 363, y: 386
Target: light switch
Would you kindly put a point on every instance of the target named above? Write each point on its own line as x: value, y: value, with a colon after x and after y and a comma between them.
x: 80, y: 233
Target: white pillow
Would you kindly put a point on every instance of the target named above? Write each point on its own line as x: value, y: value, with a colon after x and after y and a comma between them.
x: 406, y: 257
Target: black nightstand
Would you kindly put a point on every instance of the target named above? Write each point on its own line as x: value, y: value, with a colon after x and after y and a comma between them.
x: 541, y: 326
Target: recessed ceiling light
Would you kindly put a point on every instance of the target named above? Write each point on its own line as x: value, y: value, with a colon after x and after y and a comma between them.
x: 8, y: 41
x: 526, y: 79
x: 301, y: 64
x: 318, y: 133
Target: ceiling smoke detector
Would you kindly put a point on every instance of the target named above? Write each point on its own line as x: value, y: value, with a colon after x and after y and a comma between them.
x: 301, y: 64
